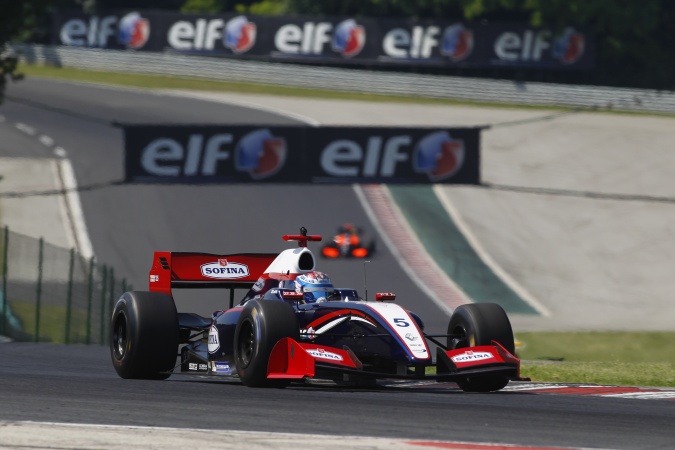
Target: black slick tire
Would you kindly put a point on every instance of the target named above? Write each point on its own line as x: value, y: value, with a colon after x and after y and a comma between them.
x: 479, y: 324
x: 144, y: 335
x: 261, y: 325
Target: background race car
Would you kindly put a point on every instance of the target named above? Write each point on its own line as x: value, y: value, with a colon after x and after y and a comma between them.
x: 349, y: 242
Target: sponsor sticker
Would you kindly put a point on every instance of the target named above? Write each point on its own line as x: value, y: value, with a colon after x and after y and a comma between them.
x: 324, y: 354
x: 469, y: 356
x: 257, y: 287
x: 224, y: 270
x: 221, y: 367
x: 214, y: 340
x: 198, y: 367
x: 154, y: 278
x: 308, y: 333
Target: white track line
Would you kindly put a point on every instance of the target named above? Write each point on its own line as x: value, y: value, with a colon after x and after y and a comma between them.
x: 77, y: 224
x: 25, y: 128
x: 47, y: 141
x: 485, y: 256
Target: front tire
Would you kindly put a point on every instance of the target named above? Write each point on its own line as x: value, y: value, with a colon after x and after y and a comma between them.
x: 144, y: 335
x: 261, y: 325
x: 479, y: 324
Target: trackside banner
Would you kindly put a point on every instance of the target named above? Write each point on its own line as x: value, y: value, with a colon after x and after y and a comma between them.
x: 288, y: 154
x: 335, y: 40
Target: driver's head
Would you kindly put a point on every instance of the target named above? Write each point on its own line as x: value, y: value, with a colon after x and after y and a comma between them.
x: 315, y: 286
x: 348, y: 228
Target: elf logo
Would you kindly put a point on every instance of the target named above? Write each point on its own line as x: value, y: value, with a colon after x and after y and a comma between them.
x: 436, y: 155
x: 240, y: 34
x: 258, y: 153
x: 132, y: 31
x: 346, y: 38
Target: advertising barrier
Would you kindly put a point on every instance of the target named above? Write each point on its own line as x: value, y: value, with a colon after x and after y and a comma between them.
x: 298, y: 154
x: 335, y: 40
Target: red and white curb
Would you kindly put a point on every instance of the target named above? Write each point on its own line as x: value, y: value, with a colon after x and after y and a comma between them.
x: 643, y: 393
x: 401, y: 240
x: 593, y: 390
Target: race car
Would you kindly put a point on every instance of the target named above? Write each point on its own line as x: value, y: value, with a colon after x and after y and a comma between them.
x: 283, y: 331
x: 349, y: 242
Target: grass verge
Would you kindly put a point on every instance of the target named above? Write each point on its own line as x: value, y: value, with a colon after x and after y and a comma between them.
x: 661, y: 374
x: 163, y: 82
x: 52, y: 322
x: 636, y: 359
x: 143, y: 81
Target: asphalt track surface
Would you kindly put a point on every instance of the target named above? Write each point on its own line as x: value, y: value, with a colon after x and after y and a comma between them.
x: 126, y: 223
x: 77, y: 384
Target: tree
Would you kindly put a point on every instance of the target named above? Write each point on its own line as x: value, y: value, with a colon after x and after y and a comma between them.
x: 13, y: 21
x: 451, y: 9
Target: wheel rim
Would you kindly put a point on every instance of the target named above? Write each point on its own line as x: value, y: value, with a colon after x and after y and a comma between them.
x: 120, y: 337
x: 460, y: 338
x: 246, y: 344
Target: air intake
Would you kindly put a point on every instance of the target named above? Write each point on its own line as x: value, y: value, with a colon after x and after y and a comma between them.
x: 306, y: 261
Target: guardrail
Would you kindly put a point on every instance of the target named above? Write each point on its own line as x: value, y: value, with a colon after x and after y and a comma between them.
x: 351, y: 80
x: 53, y: 294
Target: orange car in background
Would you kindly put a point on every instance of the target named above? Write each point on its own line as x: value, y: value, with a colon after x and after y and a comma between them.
x: 349, y: 242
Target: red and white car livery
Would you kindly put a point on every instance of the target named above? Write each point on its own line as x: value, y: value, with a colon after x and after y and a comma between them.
x: 273, y: 337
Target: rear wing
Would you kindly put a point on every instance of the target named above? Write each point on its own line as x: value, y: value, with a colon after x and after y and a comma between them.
x: 204, y: 270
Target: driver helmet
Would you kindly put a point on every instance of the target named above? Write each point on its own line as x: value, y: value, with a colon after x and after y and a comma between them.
x: 348, y: 228
x: 315, y: 286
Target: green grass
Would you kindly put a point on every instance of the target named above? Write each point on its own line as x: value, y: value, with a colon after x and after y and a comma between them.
x: 52, y: 322
x: 143, y: 81
x: 660, y: 374
x: 637, y: 358
x: 163, y: 82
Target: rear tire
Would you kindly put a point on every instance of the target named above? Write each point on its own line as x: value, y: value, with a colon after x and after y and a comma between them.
x: 261, y: 325
x: 144, y: 335
x: 479, y: 324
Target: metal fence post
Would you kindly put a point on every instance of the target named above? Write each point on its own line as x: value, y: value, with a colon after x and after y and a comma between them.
x: 38, y: 289
x: 5, y: 299
x: 90, y: 297
x: 70, y: 295
x: 104, y: 274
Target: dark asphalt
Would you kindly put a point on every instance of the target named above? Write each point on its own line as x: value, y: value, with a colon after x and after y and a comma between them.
x: 43, y: 382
